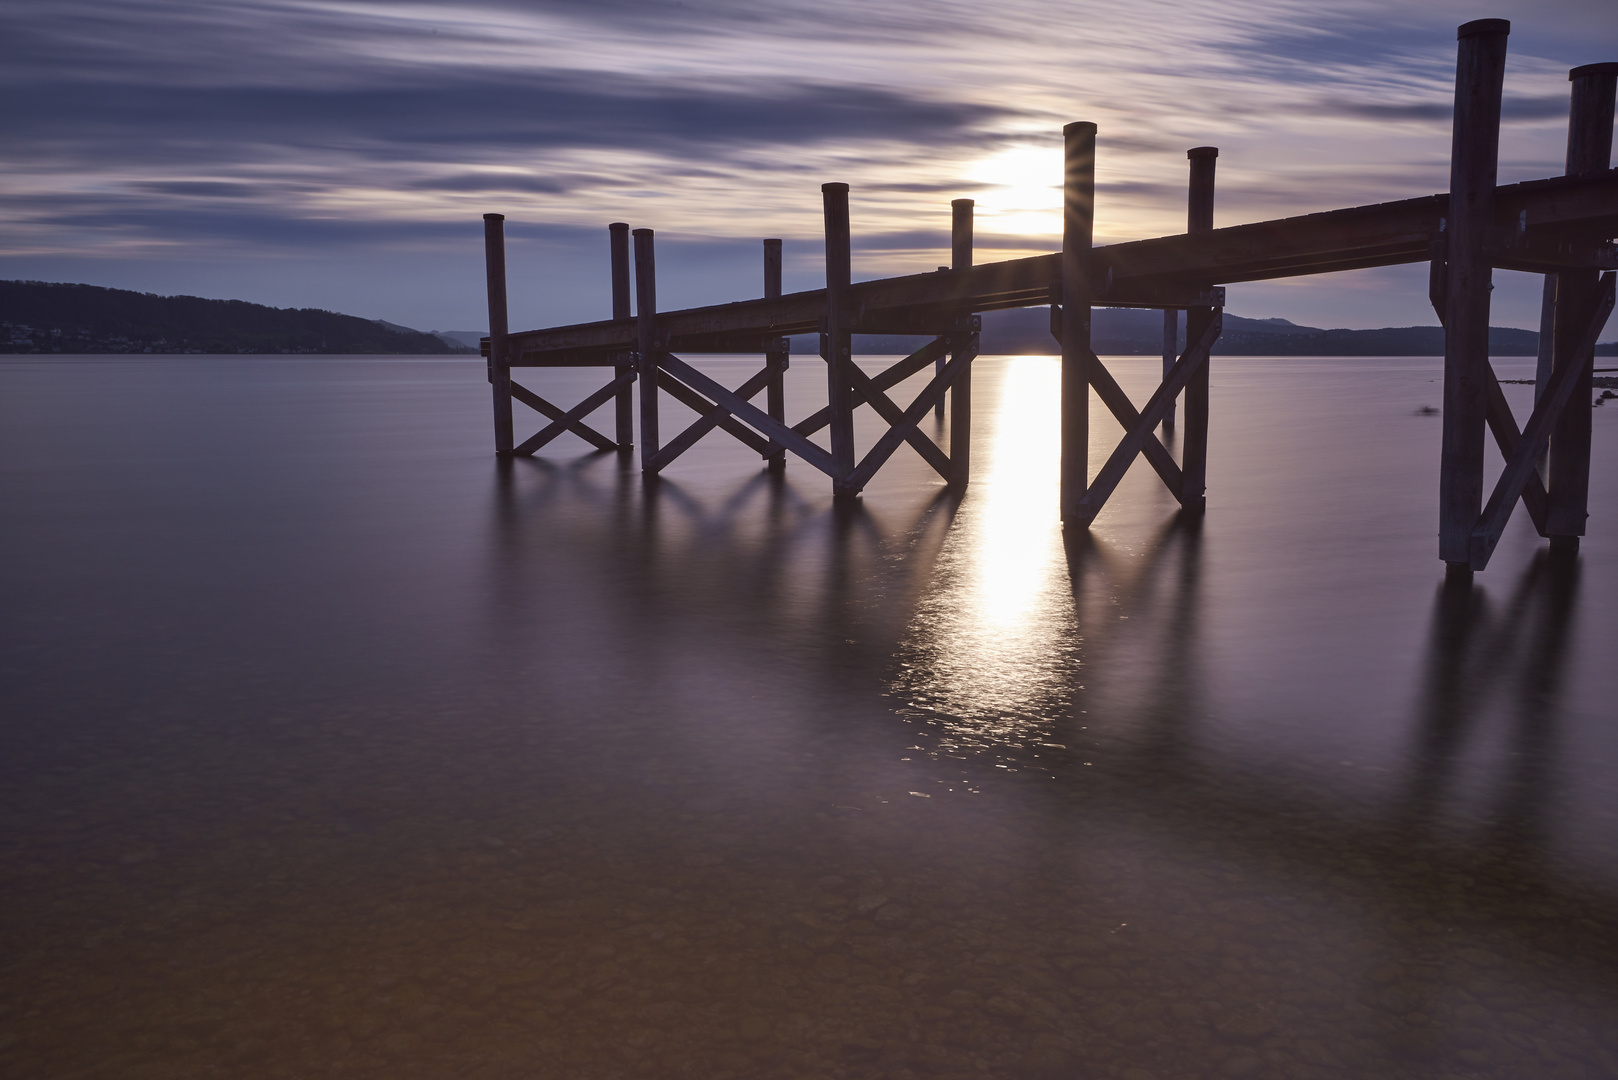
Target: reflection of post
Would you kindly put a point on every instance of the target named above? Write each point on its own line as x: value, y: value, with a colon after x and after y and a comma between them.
x: 1479, y: 73
x: 1194, y: 455
x: 836, y: 345
x: 1078, y: 229
x: 646, y: 335
x: 1589, y: 150
x: 775, y: 360
x: 960, y: 394
x: 1171, y: 352
x: 618, y: 238
x: 494, y: 257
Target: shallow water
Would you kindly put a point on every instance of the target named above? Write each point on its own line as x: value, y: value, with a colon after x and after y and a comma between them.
x: 333, y: 747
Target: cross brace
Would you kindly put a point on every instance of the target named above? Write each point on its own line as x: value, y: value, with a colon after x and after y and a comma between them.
x: 570, y: 420
x: 732, y: 409
x: 1141, y: 431
x: 1525, y: 448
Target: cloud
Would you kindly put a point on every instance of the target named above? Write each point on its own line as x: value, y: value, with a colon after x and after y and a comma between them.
x: 140, y: 128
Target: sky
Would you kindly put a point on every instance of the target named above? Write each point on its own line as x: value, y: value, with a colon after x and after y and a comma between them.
x: 341, y: 154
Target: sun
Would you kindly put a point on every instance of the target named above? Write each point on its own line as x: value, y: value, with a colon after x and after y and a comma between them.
x: 1021, y: 190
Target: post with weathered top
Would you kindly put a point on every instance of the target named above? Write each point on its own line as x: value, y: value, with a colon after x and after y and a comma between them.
x: 960, y: 394
x: 1589, y: 151
x: 836, y: 341
x: 1474, y: 148
x: 647, y: 344
x: 1194, y: 455
x: 494, y: 257
x: 1078, y: 229
x: 618, y: 242
x: 776, y: 358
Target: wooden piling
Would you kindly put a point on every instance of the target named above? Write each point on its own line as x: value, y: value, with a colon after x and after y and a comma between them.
x: 836, y: 341
x: 1194, y: 452
x: 1474, y: 148
x: 960, y: 394
x: 494, y: 257
x: 648, y: 345
x: 776, y: 359
x: 624, y: 408
x: 1589, y: 152
x: 1078, y: 230
x: 1171, y: 352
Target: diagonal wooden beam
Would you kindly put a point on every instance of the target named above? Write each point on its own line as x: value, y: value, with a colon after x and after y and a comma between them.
x: 1134, y: 441
x: 1117, y: 402
x: 571, y: 420
x: 890, y: 440
x: 702, y: 407
x: 887, y: 410
x: 750, y: 413
x: 1536, y: 433
x: 884, y: 380
x: 686, y: 439
x: 1506, y: 436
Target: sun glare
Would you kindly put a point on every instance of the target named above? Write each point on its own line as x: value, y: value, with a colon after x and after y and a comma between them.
x: 1022, y: 191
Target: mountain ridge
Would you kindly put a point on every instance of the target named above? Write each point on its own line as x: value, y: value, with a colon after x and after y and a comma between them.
x: 52, y: 317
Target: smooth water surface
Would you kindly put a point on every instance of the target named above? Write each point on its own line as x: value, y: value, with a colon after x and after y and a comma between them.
x: 331, y: 746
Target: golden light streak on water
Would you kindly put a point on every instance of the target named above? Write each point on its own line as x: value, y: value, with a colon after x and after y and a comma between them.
x: 991, y: 647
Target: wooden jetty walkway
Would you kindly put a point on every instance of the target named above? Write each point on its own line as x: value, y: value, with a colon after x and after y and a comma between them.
x: 1562, y: 227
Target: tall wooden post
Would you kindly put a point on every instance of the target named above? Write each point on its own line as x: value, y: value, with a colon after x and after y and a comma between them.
x: 1474, y: 148
x: 1194, y: 452
x: 836, y: 342
x: 494, y: 258
x: 1078, y: 230
x: 618, y: 241
x: 1171, y: 352
x: 646, y: 341
x: 1589, y: 151
x: 775, y: 360
x: 960, y: 394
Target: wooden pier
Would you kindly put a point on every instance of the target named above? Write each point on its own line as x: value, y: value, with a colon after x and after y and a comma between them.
x: 1562, y: 227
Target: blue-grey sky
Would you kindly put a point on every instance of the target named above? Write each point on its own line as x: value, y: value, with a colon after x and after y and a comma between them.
x: 340, y: 153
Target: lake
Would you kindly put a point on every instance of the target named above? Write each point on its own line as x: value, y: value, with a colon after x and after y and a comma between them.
x: 333, y: 746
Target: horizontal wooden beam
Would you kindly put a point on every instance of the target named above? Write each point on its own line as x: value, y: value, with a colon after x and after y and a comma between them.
x: 1139, y: 272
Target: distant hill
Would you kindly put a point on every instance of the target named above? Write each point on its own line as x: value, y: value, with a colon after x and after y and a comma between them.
x: 1137, y: 332
x: 42, y: 317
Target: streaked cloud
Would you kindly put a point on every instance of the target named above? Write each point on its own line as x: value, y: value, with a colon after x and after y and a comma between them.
x: 174, y: 130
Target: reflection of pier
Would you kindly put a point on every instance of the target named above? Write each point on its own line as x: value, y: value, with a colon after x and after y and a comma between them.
x: 812, y: 575
x: 1560, y: 227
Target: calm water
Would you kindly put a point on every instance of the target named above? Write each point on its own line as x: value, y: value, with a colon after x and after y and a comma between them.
x: 331, y: 747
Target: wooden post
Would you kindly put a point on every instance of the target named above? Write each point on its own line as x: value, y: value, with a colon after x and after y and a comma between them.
x: 836, y: 343
x: 494, y: 258
x: 646, y: 340
x: 775, y: 360
x: 1474, y: 148
x: 960, y: 395
x: 618, y: 241
x: 1589, y: 151
x: 1194, y: 451
x: 1078, y: 229
x: 1171, y: 353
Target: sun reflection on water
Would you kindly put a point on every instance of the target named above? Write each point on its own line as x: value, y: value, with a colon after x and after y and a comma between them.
x: 991, y: 650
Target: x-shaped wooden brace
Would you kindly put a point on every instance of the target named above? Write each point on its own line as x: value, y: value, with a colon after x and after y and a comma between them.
x: 712, y: 416
x: 1140, y: 427
x: 1520, y: 479
x: 572, y: 419
x: 872, y: 390
x: 868, y: 389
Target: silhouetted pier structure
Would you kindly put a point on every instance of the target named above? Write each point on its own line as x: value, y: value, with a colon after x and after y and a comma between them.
x: 1561, y: 227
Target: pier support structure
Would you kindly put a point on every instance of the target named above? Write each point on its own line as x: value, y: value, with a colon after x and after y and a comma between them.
x: 1470, y: 244
x: 1560, y: 226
